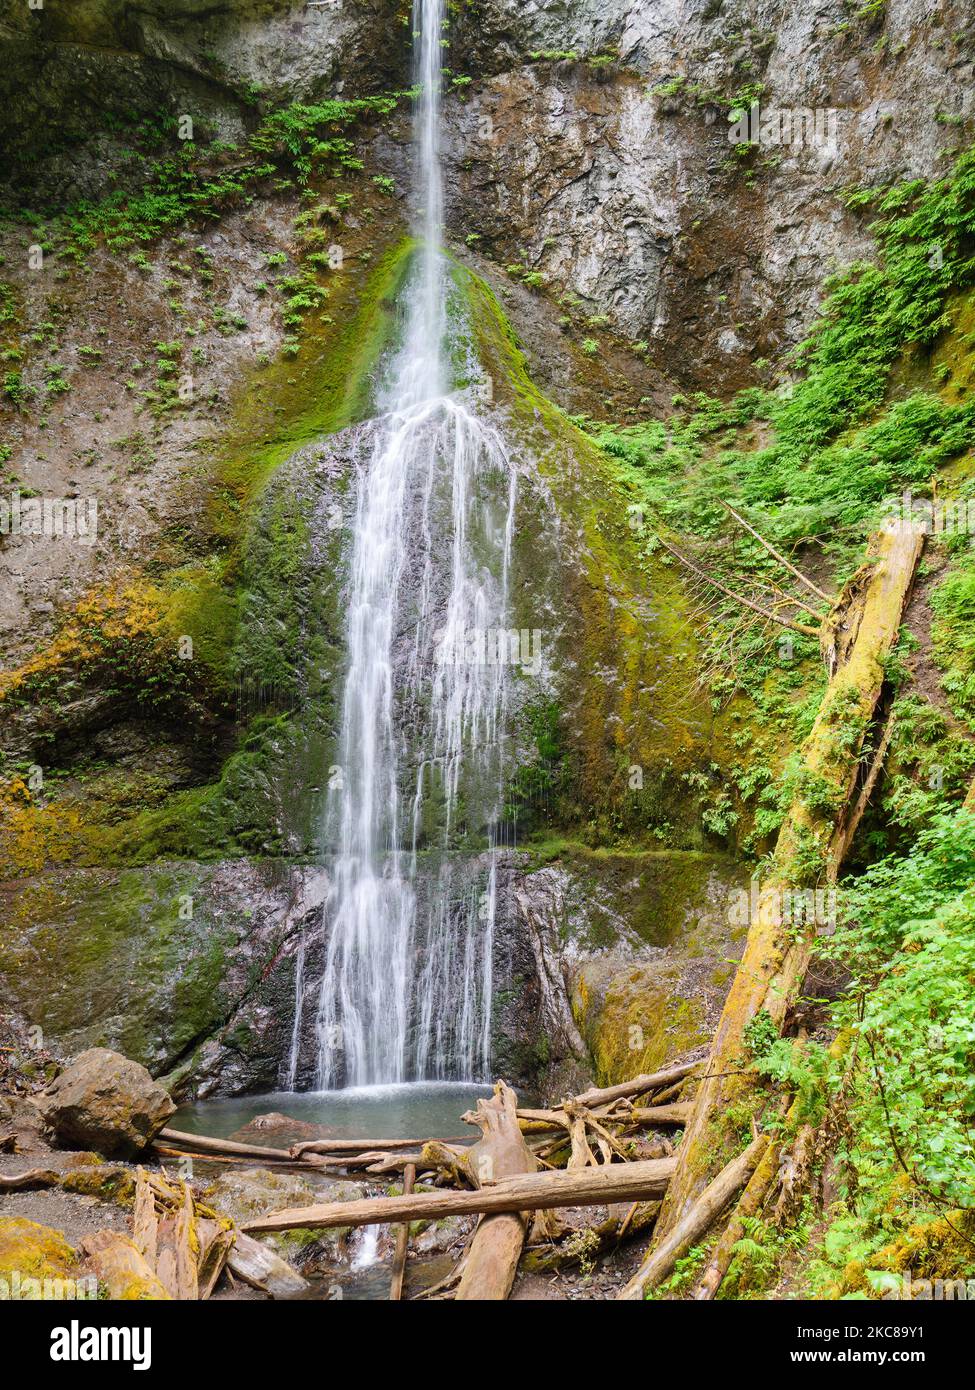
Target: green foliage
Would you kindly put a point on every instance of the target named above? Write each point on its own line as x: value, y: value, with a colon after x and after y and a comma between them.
x: 907, y: 937
x: 953, y: 605
x: 757, y: 1256
x: 830, y: 464
x: 538, y: 782
x: 554, y: 55
x: 200, y: 183
x: 16, y: 389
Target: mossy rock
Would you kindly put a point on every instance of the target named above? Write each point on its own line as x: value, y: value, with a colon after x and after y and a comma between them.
x: 106, y: 1181
x: 621, y: 646
x: 31, y: 1251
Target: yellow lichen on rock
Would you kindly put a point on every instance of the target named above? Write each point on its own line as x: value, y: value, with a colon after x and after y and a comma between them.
x: 35, y: 1261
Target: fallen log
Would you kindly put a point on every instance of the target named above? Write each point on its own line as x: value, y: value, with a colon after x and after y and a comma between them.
x: 33, y: 1177
x: 677, y: 1114
x: 500, y: 1153
x: 446, y: 1161
x: 614, y: 1182
x: 856, y: 640
x: 547, y: 1121
x: 315, y: 1154
x: 294, y: 1164
x: 651, y: 1081
x: 341, y: 1146
x: 696, y: 1221
x: 203, y: 1144
x: 145, y: 1223
x: 402, y: 1242
x: 749, y: 1205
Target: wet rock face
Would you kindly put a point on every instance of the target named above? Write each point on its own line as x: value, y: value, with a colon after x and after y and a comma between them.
x: 69, y: 73
x: 105, y: 1102
x: 591, y: 146
x: 625, y: 960
x: 205, y: 1000
x: 617, y: 183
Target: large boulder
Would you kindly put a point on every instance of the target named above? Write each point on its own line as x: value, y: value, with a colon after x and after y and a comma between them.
x: 103, y: 1101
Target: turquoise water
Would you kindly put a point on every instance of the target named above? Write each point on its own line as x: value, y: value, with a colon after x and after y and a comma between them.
x: 421, y: 1110
x: 418, y: 1110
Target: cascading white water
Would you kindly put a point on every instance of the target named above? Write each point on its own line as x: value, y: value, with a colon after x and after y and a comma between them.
x: 407, y: 982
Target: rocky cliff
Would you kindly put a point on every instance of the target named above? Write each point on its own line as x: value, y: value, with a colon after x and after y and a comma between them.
x: 193, y: 347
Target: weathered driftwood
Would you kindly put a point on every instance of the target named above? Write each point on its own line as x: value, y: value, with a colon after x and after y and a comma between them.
x: 342, y: 1146
x: 500, y: 1153
x: 547, y: 1121
x: 32, y: 1177
x: 163, y: 1151
x: 216, y: 1242
x: 590, y: 1242
x: 856, y: 640
x: 379, y: 1157
x: 650, y: 1081
x: 117, y: 1263
x: 175, y: 1254
x: 145, y: 1223
x: 402, y: 1242
x: 696, y: 1221
x: 580, y: 1154
x: 660, y: 1114
x: 183, y: 1242
x: 260, y: 1267
x: 447, y: 1161
x: 616, y: 1182
x: 669, y: 1093
x: 203, y: 1144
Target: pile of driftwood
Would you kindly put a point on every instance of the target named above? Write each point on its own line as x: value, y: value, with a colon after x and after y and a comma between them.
x: 526, y: 1166
x: 179, y: 1247
x: 518, y: 1177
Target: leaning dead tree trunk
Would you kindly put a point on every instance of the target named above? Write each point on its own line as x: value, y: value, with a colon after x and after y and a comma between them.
x: 501, y: 1152
x: 696, y: 1221
x: 857, y: 637
x: 402, y: 1242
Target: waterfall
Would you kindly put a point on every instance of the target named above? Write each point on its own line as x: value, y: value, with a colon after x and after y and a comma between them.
x: 407, y: 982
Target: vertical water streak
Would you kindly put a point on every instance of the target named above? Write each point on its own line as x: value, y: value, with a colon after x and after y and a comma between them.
x: 407, y: 994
